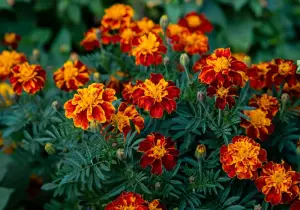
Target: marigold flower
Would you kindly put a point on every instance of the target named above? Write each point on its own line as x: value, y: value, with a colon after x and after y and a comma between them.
x: 149, y: 50
x: 296, y: 204
x: 196, y: 22
x: 260, y: 124
x: 281, y: 71
x: 224, y: 93
x: 8, y: 60
x: 194, y: 43
x: 156, y: 95
x: 12, y: 40
x: 6, y: 94
x: 128, y: 90
x: 127, y: 36
x: 91, y: 104
x: 197, y: 67
x: 128, y: 200
x: 156, y: 205
x: 91, y: 41
x: 266, y: 103
x: 145, y: 26
x: 175, y: 32
x: 278, y: 183
x: 121, y: 120
x: 116, y: 16
x: 114, y: 81
x: 220, y: 66
x: 200, y: 151
x: 257, y: 75
x: 71, y: 76
x: 30, y: 78
x: 293, y: 91
x: 242, y: 57
x: 158, y: 150
x: 242, y: 157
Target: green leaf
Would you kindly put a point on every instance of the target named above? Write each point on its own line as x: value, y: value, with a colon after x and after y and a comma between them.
x: 173, y: 11
x: 40, y: 35
x: 5, y: 5
x: 42, y: 5
x: 96, y: 7
x: 256, y: 7
x: 4, y: 196
x: 231, y: 200
x: 236, y: 207
x: 63, y: 40
x: 49, y: 186
x: 74, y: 13
x: 237, y: 4
x: 145, y: 188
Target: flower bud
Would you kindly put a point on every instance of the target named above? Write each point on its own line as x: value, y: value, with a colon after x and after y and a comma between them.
x: 257, y: 207
x: 120, y: 154
x: 164, y: 22
x: 74, y: 56
x: 166, y: 60
x: 284, y: 98
x: 200, y: 151
x: 50, y: 149
x: 55, y: 105
x: 94, y: 126
x: 184, y: 59
x: 200, y: 96
x: 192, y: 179
x: 199, y: 3
x: 298, y: 147
x: 35, y: 54
x: 157, y: 185
x: 96, y: 77
x: 114, y: 144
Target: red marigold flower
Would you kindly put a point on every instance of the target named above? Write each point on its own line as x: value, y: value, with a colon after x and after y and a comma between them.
x: 278, y: 183
x: 242, y: 157
x: 91, y: 104
x: 125, y: 113
x: 128, y: 200
x: 266, y: 103
x: 8, y: 60
x: 281, y: 71
x: 116, y: 16
x: 194, y: 43
x: 197, y: 67
x: 158, y: 150
x: 71, y: 76
x: 12, y: 40
x: 296, y: 204
x: 145, y: 26
x: 149, y: 50
x: 257, y: 75
x: 293, y: 91
x: 260, y: 124
x: 224, y: 93
x: 156, y: 95
x: 30, y: 78
x: 91, y: 41
x: 196, y: 22
x: 127, y: 36
x: 156, y: 205
x: 221, y: 64
x: 114, y: 81
x: 128, y: 90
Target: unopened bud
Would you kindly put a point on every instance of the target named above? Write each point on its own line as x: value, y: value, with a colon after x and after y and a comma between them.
x: 94, y: 126
x: 164, y: 22
x: 200, y: 151
x: 284, y: 98
x: 98, y: 34
x: 199, y: 3
x: 166, y: 60
x: 96, y: 77
x: 257, y: 207
x: 200, y: 96
x: 120, y: 154
x: 74, y: 56
x: 157, y: 185
x: 55, y: 105
x: 35, y: 54
x: 191, y: 179
x: 298, y: 147
x: 184, y: 59
x: 114, y: 144
x: 50, y: 149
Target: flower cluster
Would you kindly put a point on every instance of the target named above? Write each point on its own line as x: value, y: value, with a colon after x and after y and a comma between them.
x: 9, y: 59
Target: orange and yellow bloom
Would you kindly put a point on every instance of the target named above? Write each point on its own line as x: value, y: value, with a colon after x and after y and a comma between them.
x: 121, y: 120
x: 266, y: 103
x: 6, y: 93
x: 278, y: 183
x: 71, y: 76
x: 128, y: 200
x: 8, y: 60
x: 158, y: 151
x: 156, y: 95
x: 242, y: 157
x: 145, y: 26
x: 194, y: 43
x: 148, y: 50
x: 196, y: 22
x: 91, y: 41
x: 30, y: 78
x: 128, y: 90
x: 12, y: 40
x: 93, y: 103
x: 156, y: 205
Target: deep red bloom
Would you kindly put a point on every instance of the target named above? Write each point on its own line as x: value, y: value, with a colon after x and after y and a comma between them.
x: 128, y: 90
x: 128, y: 200
x: 91, y: 41
x: 197, y: 67
x: 196, y: 22
x: 158, y: 150
x: 266, y: 103
x: 296, y: 204
x: 156, y: 95
x: 257, y: 75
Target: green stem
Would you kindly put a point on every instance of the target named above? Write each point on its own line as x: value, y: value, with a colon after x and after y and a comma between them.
x: 187, y: 75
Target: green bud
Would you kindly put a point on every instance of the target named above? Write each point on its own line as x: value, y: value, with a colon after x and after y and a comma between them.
x: 284, y: 98
x: 184, y: 60
x: 96, y: 77
x: 55, y: 105
x: 50, y: 149
x: 120, y: 154
x: 200, y: 151
x: 94, y: 126
x: 164, y: 22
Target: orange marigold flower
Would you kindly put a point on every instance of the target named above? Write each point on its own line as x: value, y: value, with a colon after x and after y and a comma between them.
x: 8, y: 60
x: 145, y: 26
x: 6, y: 93
x: 260, y: 124
x: 156, y: 205
x: 156, y: 95
x: 128, y: 90
x: 149, y: 50
x: 194, y: 43
x: 281, y: 71
x: 116, y: 16
x: 196, y: 22
x: 174, y: 33
x: 91, y: 41
x: 122, y: 119
x: 91, y: 104
x: 242, y: 157
x: 12, y: 40
x: 158, y: 150
x: 128, y: 200
x: 197, y: 67
x: 127, y: 36
x: 278, y: 183
x: 257, y: 75
x: 30, y: 78
x: 294, y: 90
x: 224, y: 93
x: 220, y: 66
x: 71, y: 76
x: 266, y: 103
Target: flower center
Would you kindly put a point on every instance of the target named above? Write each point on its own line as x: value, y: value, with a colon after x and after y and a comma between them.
x: 265, y: 102
x: 70, y: 71
x: 243, y: 150
x: 284, y: 68
x: 278, y: 177
x: 146, y: 25
x: 193, y: 21
x: 258, y: 118
x: 222, y: 91
x: 158, y: 150
x: 148, y: 44
x: 220, y: 64
x: 127, y: 34
x: 27, y: 72
x: 10, y: 37
x: 156, y: 91
x: 88, y: 97
x: 121, y: 120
